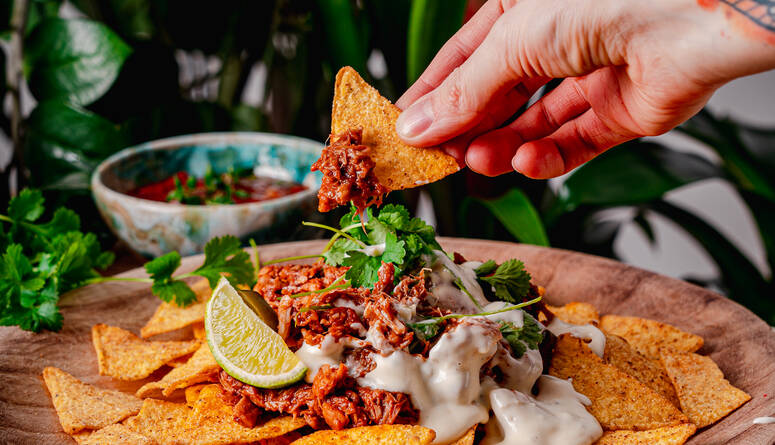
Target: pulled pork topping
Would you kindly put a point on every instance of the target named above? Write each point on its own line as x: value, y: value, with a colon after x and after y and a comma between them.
x: 333, y: 400
x: 348, y: 173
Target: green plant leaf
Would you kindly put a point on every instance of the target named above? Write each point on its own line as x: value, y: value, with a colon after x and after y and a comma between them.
x: 66, y: 142
x: 724, y: 137
x: 743, y: 280
x: 632, y: 173
x: 73, y: 60
x: 517, y: 214
x: 343, y: 30
x: 431, y: 24
x: 763, y: 211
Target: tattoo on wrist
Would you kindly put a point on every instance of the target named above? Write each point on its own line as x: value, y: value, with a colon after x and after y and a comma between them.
x: 761, y: 12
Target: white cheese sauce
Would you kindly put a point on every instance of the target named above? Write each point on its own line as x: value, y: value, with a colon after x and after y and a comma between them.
x: 587, y: 332
x: 763, y: 420
x: 446, y: 294
x: 555, y: 417
x: 328, y: 352
x: 445, y: 387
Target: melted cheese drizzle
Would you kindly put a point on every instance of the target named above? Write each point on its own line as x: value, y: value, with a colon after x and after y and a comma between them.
x: 556, y: 416
x: 587, y: 331
x: 763, y: 420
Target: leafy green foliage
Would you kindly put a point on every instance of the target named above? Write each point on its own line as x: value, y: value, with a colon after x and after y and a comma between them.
x: 224, y: 256
x: 431, y: 23
x: 510, y: 281
x: 529, y: 335
x: 517, y: 214
x: 405, y: 241
x: 425, y: 330
x: 40, y: 261
x: 73, y: 60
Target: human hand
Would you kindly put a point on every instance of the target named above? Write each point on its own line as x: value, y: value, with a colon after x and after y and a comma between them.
x: 631, y: 69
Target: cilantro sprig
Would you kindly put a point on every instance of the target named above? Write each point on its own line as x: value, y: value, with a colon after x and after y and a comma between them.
x: 41, y: 261
x: 508, y: 281
x: 365, y: 241
x: 529, y: 335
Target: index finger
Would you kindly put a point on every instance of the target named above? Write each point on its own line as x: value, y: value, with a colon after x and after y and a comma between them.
x: 457, y: 49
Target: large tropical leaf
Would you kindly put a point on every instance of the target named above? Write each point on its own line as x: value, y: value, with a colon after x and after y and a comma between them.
x: 431, y: 23
x: 73, y: 60
x: 344, y: 32
x: 751, y: 170
x: 743, y: 280
x: 65, y: 143
x: 517, y: 214
x: 632, y: 173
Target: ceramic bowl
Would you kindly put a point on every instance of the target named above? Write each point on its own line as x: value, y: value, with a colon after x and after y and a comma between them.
x: 155, y: 228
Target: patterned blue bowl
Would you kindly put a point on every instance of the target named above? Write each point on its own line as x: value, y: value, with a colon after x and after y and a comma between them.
x: 155, y: 228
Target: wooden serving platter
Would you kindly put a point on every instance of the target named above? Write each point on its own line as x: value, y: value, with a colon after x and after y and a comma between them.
x: 739, y: 342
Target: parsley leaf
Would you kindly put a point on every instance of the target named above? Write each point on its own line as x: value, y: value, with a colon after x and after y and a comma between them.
x: 520, y: 339
x: 510, y: 281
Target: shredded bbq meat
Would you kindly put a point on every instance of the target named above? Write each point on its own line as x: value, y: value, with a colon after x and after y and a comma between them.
x: 348, y: 173
x: 385, y: 277
x: 337, y: 321
x: 333, y: 400
x: 275, y: 281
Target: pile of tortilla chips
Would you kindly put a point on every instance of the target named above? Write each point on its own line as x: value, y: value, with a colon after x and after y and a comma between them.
x: 648, y: 388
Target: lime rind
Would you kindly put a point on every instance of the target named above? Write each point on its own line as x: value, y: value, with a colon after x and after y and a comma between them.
x: 246, y: 347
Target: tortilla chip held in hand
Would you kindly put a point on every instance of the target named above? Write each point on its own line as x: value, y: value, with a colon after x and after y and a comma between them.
x: 366, y: 158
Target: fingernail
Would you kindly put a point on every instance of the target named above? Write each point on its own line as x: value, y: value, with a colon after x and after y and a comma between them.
x: 415, y: 120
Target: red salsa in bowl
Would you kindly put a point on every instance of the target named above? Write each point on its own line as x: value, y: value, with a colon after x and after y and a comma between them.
x: 233, y: 187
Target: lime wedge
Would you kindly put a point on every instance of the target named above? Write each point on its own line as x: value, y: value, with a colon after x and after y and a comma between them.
x: 244, y: 346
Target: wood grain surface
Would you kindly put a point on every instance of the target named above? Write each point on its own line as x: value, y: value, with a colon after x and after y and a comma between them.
x: 742, y: 344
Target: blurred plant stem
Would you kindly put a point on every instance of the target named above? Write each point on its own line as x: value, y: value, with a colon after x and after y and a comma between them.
x: 15, y: 62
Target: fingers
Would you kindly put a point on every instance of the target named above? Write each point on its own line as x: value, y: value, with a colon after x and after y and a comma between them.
x: 497, y: 113
x: 457, y: 49
x: 574, y: 143
x: 491, y: 153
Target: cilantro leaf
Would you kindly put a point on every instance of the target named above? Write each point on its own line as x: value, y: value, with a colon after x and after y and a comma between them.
x: 338, y: 252
x: 363, y: 269
x: 26, y: 206
x: 174, y: 291
x: 224, y: 255
x: 425, y: 331
x: 510, y: 281
x: 486, y: 268
x: 520, y: 339
x: 394, y: 249
x: 164, y: 285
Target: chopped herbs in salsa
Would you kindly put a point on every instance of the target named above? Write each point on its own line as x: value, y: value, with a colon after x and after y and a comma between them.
x: 232, y: 187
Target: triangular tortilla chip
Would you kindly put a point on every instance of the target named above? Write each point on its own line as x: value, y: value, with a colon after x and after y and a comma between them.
x: 199, y: 331
x: 213, y: 419
x: 163, y: 422
x: 170, y: 317
x: 619, y: 402
x: 649, y: 336
x: 576, y: 313
x: 125, y: 356
x: 373, y: 435
x: 705, y: 395
x: 620, y: 354
x: 468, y: 437
x: 117, y: 434
x: 81, y: 406
x: 670, y: 435
x: 398, y: 166
x: 201, y: 367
